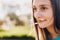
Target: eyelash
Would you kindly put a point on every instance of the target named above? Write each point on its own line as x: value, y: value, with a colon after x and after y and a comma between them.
x: 42, y: 8
x: 34, y: 8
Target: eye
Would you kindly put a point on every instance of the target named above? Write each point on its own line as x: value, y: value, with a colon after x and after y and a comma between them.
x: 34, y: 8
x: 43, y: 8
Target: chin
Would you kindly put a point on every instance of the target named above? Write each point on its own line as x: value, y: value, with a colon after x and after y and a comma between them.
x: 43, y: 25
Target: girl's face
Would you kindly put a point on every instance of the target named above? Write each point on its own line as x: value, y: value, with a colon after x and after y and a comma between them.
x: 42, y: 11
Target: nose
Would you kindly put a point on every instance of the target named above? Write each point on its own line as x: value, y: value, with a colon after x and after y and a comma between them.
x: 38, y: 14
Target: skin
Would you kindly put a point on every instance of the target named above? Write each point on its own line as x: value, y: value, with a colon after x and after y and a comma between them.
x: 43, y: 13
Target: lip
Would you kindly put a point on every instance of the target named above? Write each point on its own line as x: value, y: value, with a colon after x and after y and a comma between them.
x: 42, y: 20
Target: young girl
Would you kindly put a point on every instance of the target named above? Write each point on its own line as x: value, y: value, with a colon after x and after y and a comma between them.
x: 46, y: 15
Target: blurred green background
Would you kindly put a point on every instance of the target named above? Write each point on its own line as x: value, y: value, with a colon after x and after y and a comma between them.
x: 18, y: 32
x: 16, y: 20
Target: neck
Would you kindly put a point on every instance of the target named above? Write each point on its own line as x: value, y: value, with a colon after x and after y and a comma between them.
x: 52, y: 31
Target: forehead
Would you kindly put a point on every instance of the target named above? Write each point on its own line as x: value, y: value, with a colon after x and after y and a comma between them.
x: 41, y: 2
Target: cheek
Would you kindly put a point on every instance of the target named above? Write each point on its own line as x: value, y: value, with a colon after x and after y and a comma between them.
x: 48, y: 14
x: 36, y: 15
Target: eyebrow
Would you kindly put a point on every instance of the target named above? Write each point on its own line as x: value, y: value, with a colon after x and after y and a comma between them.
x: 43, y: 5
x: 33, y: 6
x: 39, y: 5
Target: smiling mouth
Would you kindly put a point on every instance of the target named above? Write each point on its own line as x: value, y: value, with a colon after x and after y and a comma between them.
x: 42, y: 20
